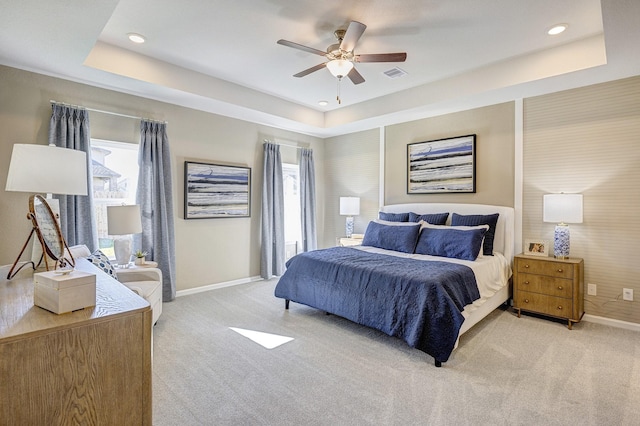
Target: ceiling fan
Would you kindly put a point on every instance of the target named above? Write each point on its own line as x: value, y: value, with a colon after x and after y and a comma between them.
x: 341, y: 56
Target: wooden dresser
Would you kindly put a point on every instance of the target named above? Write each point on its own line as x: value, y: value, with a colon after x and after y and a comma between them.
x: 549, y: 286
x: 90, y: 367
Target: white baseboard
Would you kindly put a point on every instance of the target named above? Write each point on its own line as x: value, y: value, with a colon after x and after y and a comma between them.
x: 611, y: 322
x: 216, y: 286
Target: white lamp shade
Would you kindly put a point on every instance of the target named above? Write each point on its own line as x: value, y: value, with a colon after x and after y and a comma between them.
x: 47, y: 169
x: 339, y: 67
x: 123, y: 220
x: 349, y: 206
x: 562, y: 208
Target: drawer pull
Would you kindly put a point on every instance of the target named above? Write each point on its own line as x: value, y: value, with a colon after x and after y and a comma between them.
x: 559, y: 287
x: 559, y: 308
x: 526, y: 300
x: 526, y: 266
x: 560, y: 270
x: 526, y: 283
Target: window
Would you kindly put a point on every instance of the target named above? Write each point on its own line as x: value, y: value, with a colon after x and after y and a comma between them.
x: 115, y: 179
x: 292, y: 225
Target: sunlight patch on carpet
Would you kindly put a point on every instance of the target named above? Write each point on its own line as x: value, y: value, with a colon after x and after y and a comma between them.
x: 267, y: 340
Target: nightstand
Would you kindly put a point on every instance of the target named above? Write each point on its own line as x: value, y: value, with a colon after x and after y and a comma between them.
x: 346, y: 241
x: 549, y: 286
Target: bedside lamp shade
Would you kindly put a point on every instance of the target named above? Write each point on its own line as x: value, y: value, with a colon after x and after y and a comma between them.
x: 123, y: 220
x: 349, y: 206
x: 562, y: 209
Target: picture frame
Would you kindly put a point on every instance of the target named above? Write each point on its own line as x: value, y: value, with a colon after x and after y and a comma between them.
x: 442, y: 166
x: 536, y: 247
x: 216, y: 191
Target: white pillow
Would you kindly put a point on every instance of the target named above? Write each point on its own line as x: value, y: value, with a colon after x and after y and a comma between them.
x: 386, y: 222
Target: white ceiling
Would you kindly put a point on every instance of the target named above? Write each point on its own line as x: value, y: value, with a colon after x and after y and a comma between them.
x: 221, y: 56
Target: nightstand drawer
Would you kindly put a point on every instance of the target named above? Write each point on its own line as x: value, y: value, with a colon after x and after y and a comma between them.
x: 544, y: 304
x: 544, y: 284
x: 545, y: 267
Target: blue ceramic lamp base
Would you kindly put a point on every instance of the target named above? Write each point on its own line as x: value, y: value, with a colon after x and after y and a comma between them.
x: 561, y: 241
x: 349, y: 226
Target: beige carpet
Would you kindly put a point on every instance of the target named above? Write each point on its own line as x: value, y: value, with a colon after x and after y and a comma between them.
x: 506, y: 370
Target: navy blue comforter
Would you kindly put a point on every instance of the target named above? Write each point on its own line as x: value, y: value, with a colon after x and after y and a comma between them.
x: 417, y: 301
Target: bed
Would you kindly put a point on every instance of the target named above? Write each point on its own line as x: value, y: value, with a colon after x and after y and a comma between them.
x: 413, y: 279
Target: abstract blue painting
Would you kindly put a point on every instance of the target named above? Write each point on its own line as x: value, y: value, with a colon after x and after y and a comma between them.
x: 214, y: 191
x: 442, y: 166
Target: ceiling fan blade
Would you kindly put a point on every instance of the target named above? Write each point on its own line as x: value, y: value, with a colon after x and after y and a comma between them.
x: 355, y: 76
x: 381, y: 57
x: 351, y: 37
x: 310, y: 70
x: 301, y: 47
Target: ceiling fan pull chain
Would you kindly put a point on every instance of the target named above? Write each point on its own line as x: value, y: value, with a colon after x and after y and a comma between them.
x: 338, y: 89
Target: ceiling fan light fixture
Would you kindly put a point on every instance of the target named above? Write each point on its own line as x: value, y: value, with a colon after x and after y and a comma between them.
x: 339, y: 67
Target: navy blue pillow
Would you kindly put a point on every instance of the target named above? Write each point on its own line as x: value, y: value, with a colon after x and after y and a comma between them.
x: 390, y: 237
x: 394, y: 217
x: 447, y: 242
x: 432, y: 218
x: 478, y: 219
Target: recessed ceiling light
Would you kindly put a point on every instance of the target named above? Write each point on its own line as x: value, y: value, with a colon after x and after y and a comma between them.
x: 136, y: 38
x: 557, y: 29
x: 323, y: 103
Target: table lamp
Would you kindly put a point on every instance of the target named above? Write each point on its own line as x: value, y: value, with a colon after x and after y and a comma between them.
x: 45, y: 169
x: 349, y: 206
x: 123, y: 221
x: 562, y: 209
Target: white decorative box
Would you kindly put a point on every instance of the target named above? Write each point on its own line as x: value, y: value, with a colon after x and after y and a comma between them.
x: 60, y: 293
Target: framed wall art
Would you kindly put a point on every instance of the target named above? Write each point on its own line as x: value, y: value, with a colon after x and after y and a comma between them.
x: 216, y: 191
x: 442, y: 166
x: 536, y: 247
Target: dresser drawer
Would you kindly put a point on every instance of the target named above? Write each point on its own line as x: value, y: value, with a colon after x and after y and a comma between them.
x: 544, y: 284
x: 548, y: 268
x: 544, y: 304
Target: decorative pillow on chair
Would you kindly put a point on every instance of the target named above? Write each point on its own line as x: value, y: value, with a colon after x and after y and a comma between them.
x: 394, y: 217
x: 99, y: 259
x: 432, y: 218
x: 474, y: 220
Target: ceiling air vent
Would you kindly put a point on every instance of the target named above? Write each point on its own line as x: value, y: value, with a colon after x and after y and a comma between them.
x: 395, y: 72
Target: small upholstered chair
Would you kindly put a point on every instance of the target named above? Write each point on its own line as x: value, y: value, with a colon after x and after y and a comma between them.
x: 145, y: 282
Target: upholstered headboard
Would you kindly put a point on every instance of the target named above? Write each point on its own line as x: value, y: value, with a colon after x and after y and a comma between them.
x: 505, y: 231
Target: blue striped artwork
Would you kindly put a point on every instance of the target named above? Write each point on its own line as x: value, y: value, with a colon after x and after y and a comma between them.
x: 440, y: 166
x: 213, y: 191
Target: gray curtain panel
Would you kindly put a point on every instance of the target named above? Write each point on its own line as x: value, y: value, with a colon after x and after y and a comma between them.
x: 308, y: 200
x: 69, y: 128
x: 272, y: 250
x: 155, y: 198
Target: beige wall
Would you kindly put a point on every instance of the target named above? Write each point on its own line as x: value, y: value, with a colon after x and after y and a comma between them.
x: 587, y: 141
x: 494, y: 127
x: 208, y: 251
x: 352, y: 169
x: 353, y: 163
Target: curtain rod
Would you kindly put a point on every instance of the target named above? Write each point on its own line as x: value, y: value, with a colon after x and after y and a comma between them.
x: 106, y: 112
x: 285, y: 144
